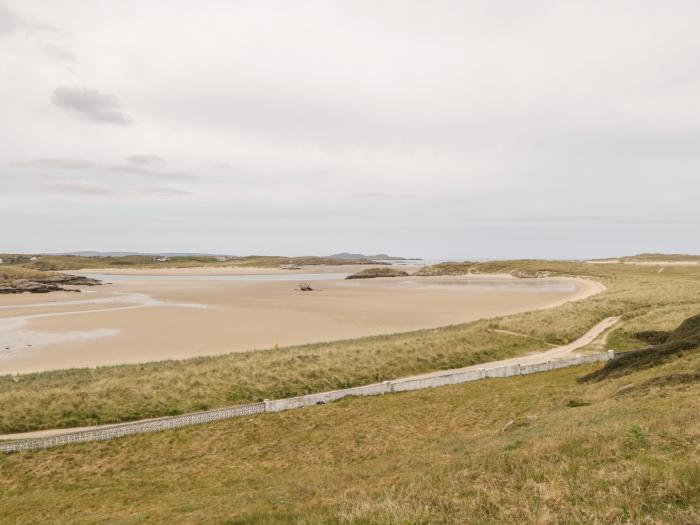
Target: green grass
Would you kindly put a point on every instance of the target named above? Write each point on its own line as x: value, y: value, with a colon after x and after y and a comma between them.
x: 646, y: 299
x: 684, y: 338
x: 575, y: 453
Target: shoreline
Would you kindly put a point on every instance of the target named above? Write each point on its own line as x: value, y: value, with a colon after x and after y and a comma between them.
x: 230, y: 270
x: 235, y: 316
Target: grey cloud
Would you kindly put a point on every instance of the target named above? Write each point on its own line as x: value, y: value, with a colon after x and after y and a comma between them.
x: 68, y: 164
x: 146, y: 159
x: 9, y: 21
x: 57, y: 164
x: 383, y: 195
x: 138, y: 170
x: 445, y: 129
x: 91, y: 104
x: 165, y: 192
x: 77, y: 188
x: 87, y: 188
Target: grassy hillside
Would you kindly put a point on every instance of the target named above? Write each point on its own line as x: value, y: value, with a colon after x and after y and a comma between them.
x: 653, y: 257
x: 542, y: 449
x: 648, y: 300
x: 669, y: 346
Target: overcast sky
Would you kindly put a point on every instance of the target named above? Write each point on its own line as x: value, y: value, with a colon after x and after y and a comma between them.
x: 439, y: 129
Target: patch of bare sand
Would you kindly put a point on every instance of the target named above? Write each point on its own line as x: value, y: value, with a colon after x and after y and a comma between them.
x: 246, y: 315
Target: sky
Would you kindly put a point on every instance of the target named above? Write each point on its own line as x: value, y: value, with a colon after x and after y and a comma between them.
x: 443, y: 129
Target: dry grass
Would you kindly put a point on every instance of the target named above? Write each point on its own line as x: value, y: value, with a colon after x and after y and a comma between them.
x: 663, y: 257
x: 385, y: 271
x: 589, y: 455
x: 646, y: 299
x: 9, y: 273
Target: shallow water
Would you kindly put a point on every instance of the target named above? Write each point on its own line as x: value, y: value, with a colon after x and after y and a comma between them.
x: 534, y: 285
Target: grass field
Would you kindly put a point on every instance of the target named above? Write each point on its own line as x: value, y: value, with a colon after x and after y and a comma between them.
x: 542, y: 449
x: 646, y: 299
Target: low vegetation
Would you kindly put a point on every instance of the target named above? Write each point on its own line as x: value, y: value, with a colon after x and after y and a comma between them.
x: 10, y: 273
x: 370, y: 273
x: 653, y: 257
x: 646, y: 299
x: 17, y: 279
x: 684, y: 338
x: 543, y: 448
x: 664, y: 257
x: 446, y: 268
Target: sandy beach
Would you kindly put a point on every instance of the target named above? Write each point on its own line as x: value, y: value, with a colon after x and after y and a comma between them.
x: 194, y: 313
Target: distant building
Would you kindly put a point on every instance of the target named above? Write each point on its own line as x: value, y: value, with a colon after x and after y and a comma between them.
x: 161, y: 259
x: 33, y: 258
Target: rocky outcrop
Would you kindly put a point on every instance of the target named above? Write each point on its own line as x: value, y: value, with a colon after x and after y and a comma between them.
x: 71, y: 280
x: 370, y: 273
x: 25, y: 285
x: 52, y: 283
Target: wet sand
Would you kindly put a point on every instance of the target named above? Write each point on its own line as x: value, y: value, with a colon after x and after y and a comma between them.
x: 138, y: 321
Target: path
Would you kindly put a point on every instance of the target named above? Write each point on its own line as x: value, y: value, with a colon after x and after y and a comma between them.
x: 537, y: 358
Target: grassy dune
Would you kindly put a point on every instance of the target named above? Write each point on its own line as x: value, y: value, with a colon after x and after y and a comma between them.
x: 647, y: 300
x: 664, y: 257
x: 594, y: 452
x: 385, y: 271
x: 9, y: 273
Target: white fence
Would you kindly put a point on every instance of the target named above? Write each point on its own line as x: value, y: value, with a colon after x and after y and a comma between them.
x: 447, y: 377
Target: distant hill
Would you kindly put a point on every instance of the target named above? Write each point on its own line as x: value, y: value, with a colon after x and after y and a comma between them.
x: 90, y: 253
x: 382, y: 257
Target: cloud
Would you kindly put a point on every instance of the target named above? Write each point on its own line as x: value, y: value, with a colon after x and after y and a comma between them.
x: 60, y: 52
x: 91, y: 104
x: 448, y: 129
x: 165, y: 192
x: 9, y: 21
x: 76, y: 187
x: 79, y: 187
x: 384, y: 195
x: 69, y: 164
x: 57, y: 164
x: 138, y: 170
x: 146, y: 159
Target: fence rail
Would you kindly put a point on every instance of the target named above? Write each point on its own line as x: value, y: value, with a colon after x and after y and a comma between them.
x: 448, y: 377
